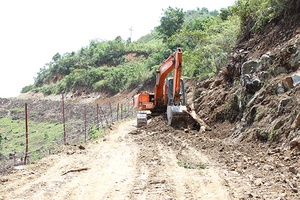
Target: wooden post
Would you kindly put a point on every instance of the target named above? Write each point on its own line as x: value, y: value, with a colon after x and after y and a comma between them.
x: 64, y: 120
x: 118, y: 112
x: 128, y: 115
x: 85, y: 124
x: 111, y: 114
x: 26, y: 135
x: 101, y: 119
x: 98, y: 123
x: 121, y: 111
x: 104, y: 116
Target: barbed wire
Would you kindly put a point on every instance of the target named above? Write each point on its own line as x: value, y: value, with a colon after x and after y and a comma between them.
x: 81, y: 122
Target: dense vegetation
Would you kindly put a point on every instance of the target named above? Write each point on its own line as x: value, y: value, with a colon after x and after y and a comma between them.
x: 256, y: 14
x: 206, y: 38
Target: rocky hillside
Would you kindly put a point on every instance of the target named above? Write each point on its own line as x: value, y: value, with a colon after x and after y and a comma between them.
x: 256, y: 96
x: 253, y: 108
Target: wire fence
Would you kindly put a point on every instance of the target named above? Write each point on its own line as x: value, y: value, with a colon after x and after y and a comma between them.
x: 32, y: 129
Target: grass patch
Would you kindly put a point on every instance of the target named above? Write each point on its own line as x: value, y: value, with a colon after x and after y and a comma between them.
x: 95, y: 133
x: 17, y: 110
x: 188, y: 165
x: 41, y: 136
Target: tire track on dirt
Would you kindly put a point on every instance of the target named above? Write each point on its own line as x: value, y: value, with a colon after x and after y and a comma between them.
x: 111, y: 163
x: 140, y: 165
x: 161, y: 176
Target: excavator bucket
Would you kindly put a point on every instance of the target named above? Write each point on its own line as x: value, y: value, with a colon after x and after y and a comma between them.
x: 177, y: 115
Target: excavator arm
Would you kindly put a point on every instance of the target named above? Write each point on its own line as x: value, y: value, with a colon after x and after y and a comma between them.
x: 177, y: 77
x: 173, y: 62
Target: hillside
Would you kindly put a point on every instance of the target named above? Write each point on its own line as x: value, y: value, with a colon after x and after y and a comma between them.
x: 253, y: 107
x: 259, y: 87
x: 109, y: 67
x: 252, y: 152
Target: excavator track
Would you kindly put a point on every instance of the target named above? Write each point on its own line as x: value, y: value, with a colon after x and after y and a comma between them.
x: 141, y: 118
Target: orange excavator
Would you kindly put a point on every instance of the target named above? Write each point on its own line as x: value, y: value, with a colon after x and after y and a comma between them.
x: 169, y: 94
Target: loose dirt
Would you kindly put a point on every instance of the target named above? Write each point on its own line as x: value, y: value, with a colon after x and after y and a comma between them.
x: 128, y: 163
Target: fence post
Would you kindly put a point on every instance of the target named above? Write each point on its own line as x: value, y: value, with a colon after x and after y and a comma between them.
x: 64, y: 120
x: 128, y: 110
x: 121, y: 111
x: 104, y: 116
x: 111, y: 114
x: 118, y: 112
x: 131, y: 110
x: 101, y: 119
x: 85, y: 124
x: 98, y: 123
x: 26, y: 135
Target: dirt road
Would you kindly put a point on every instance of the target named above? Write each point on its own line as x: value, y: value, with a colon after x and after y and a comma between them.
x: 125, y: 164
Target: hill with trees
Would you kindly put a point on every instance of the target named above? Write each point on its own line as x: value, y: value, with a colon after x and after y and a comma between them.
x: 111, y: 66
x: 206, y: 37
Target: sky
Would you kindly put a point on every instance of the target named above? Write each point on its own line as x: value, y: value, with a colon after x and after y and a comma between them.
x: 33, y: 31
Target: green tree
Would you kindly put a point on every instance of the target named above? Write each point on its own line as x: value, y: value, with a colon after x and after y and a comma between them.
x: 204, y: 11
x: 224, y: 13
x: 56, y: 57
x: 41, y: 77
x: 27, y: 88
x: 171, y: 22
x: 256, y: 14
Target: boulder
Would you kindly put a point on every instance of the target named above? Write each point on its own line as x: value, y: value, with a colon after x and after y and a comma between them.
x: 295, y: 60
x: 249, y: 67
x: 295, y: 143
x: 296, y: 79
x: 280, y: 70
x: 253, y: 73
x: 287, y: 83
x: 296, y: 122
